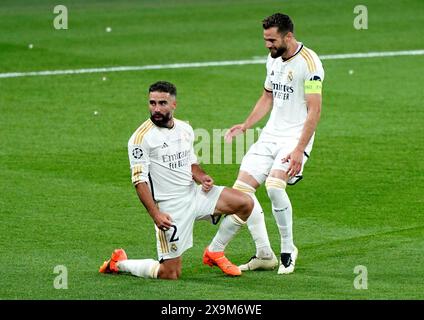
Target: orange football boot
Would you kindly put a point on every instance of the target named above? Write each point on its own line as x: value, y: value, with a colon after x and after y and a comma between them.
x: 219, y: 259
x: 110, y: 266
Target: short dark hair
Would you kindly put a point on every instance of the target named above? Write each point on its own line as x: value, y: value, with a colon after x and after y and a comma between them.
x: 279, y: 20
x: 163, y: 86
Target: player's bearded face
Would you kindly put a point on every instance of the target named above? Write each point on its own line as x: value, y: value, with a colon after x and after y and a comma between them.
x: 275, y: 42
x: 278, y: 51
x: 161, y: 107
x: 160, y: 119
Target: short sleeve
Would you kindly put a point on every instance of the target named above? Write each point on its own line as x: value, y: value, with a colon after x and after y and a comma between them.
x: 138, y: 154
x: 314, y: 74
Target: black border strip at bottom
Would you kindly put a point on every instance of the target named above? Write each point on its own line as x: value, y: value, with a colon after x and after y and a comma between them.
x: 208, y: 309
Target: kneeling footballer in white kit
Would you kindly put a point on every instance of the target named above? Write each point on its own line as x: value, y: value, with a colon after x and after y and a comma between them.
x: 164, y: 172
x: 293, y: 90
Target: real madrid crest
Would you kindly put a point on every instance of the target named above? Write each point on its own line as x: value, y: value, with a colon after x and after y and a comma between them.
x: 185, y: 136
x: 290, y: 76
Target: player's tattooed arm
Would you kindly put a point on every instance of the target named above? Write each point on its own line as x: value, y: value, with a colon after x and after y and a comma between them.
x: 201, y: 177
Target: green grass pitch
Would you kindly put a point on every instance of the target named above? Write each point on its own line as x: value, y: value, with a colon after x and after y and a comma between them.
x: 66, y: 197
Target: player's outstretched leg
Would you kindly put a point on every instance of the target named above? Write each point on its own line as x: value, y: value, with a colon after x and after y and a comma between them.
x: 119, y: 262
x: 264, y: 259
x: 110, y: 266
x: 238, y: 207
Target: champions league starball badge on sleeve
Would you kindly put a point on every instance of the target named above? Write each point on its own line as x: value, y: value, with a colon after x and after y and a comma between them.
x: 137, y: 153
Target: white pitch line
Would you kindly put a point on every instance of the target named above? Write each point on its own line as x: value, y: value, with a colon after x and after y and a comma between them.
x: 206, y: 64
x: 372, y: 54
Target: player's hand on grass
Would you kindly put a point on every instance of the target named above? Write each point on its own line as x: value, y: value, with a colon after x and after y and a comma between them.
x: 162, y: 220
x: 234, y: 131
x: 207, y: 183
x: 295, y: 159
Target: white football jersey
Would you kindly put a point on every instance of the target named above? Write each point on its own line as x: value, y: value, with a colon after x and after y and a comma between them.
x: 286, y: 80
x: 163, y: 157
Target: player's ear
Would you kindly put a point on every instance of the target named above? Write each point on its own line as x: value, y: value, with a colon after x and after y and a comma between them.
x: 289, y: 36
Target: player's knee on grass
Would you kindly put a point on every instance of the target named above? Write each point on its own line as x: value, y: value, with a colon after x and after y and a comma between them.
x: 274, y: 187
x: 169, y: 274
x: 169, y: 271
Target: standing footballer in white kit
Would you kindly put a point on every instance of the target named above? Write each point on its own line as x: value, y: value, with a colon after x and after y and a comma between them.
x: 165, y: 171
x: 292, y: 89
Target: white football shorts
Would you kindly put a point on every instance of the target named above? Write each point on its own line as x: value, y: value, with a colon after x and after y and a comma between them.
x: 262, y: 157
x: 196, y: 205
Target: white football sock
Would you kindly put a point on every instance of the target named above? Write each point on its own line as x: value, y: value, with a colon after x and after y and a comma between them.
x: 256, y: 223
x: 282, y: 211
x: 228, y: 228
x: 146, y: 268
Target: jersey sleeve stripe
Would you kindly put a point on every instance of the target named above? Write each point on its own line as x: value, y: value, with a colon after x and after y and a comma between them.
x: 309, y: 59
x: 144, y: 128
x: 312, y: 58
x: 136, y: 173
x: 141, y: 133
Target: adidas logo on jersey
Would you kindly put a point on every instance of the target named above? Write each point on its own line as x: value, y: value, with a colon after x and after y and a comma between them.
x: 164, y: 145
